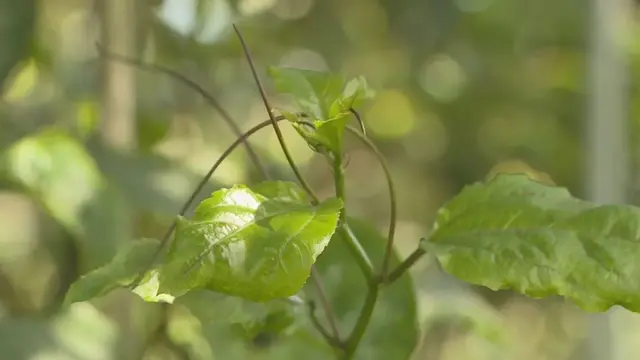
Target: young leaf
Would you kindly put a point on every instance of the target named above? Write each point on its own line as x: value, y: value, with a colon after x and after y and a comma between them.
x: 327, y: 134
x: 313, y: 91
x: 325, y: 98
x: 515, y: 233
x: 355, y: 92
x: 256, y: 243
x: 131, y: 258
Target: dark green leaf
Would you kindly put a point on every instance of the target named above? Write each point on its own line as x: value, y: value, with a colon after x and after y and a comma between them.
x: 235, y: 327
x: 393, y: 330
x: 515, y: 233
x: 313, y: 91
x: 257, y: 243
x: 151, y: 129
x: 131, y: 258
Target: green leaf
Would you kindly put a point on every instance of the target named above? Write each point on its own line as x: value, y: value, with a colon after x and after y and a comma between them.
x: 55, y: 169
x: 345, y: 287
x: 131, y: 258
x: 313, y: 91
x: 346, y: 290
x: 78, y: 332
x: 354, y: 94
x: 151, y: 129
x: 235, y: 328
x: 327, y: 134
x: 515, y: 233
x: 256, y: 243
x: 325, y: 99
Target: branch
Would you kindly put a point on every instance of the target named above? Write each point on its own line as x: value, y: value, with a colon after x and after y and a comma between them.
x: 276, y: 128
x: 393, y: 216
x: 405, y: 265
x: 331, y: 340
x: 197, y: 88
x: 326, y: 305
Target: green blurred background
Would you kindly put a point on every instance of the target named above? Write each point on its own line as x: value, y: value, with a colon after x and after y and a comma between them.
x: 95, y: 153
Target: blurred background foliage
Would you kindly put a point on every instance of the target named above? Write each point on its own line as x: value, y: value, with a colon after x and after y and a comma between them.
x: 94, y: 153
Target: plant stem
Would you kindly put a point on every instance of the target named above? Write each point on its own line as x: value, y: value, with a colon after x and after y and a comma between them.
x: 360, y: 122
x: 405, y: 265
x: 194, y: 194
x: 362, y: 323
x: 326, y: 305
x: 197, y: 88
x: 362, y: 259
x: 393, y: 212
x: 276, y: 128
x: 331, y: 340
x: 351, y: 344
x: 338, y: 179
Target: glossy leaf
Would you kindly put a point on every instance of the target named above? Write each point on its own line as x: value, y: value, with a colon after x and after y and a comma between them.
x: 120, y: 272
x: 256, y: 243
x: 514, y: 233
x: 346, y: 289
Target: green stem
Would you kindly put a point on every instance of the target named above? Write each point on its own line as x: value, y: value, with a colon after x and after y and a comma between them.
x: 359, y: 330
x: 393, y: 211
x: 352, y: 242
x: 276, y: 128
x: 362, y: 323
x: 363, y: 261
x: 357, y: 251
x: 338, y: 179
x: 405, y: 265
x: 328, y: 310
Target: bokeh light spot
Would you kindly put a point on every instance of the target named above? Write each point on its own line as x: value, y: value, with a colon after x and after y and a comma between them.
x: 292, y: 9
x: 391, y: 115
x: 443, y: 78
x: 304, y: 59
x: 254, y: 7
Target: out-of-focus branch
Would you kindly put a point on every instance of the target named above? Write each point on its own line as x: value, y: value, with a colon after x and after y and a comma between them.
x: 119, y: 86
x: 118, y: 131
